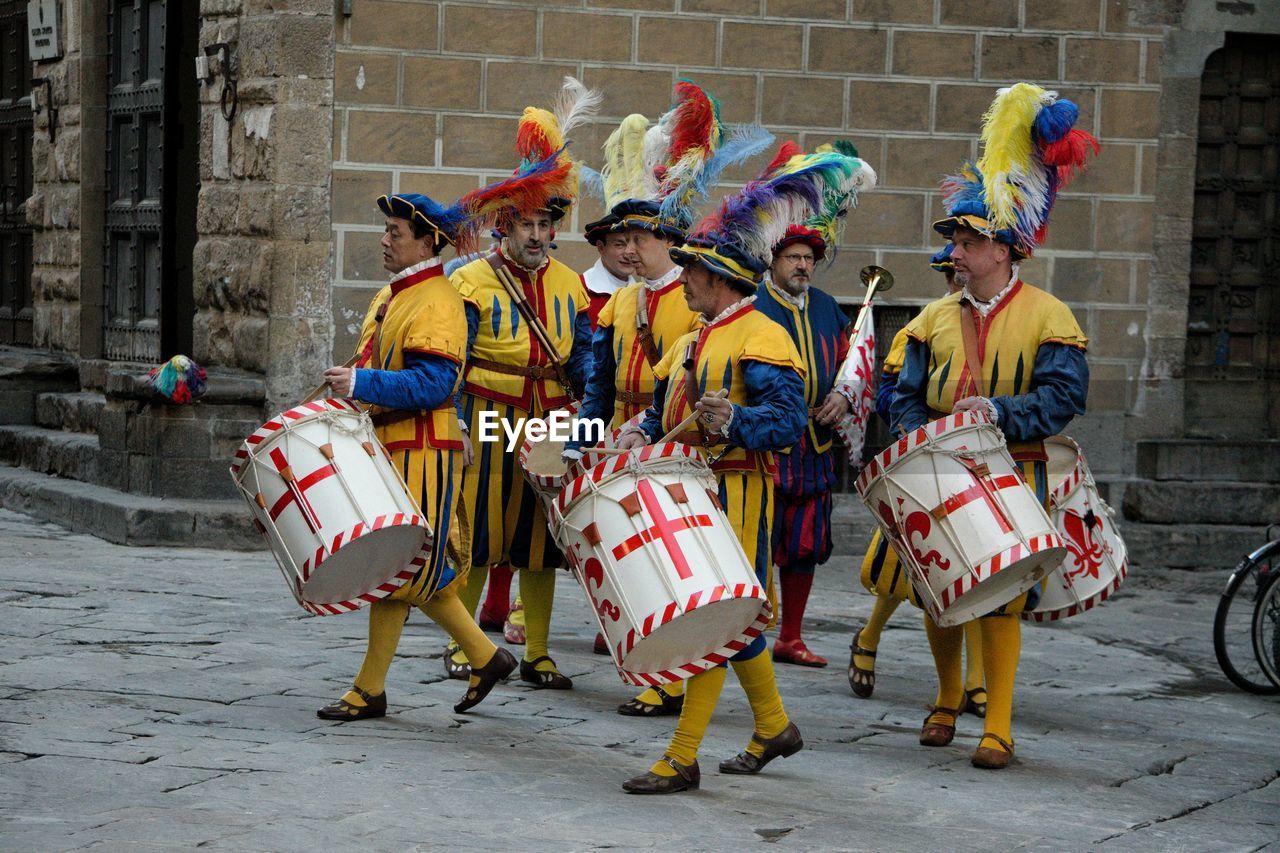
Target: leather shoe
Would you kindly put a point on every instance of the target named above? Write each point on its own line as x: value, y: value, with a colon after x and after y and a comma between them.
x: 502, y: 664
x: 795, y: 651
x: 938, y: 734
x: 668, y: 706
x: 988, y: 758
x: 783, y: 745
x: 687, y: 778
x: 602, y: 645
x: 552, y: 680
x: 344, y: 712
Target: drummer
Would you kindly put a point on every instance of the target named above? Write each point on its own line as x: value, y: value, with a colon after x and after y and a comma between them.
x: 635, y: 326
x: 743, y: 352
x: 407, y: 370
x: 510, y: 375
x: 1030, y: 375
x: 883, y: 576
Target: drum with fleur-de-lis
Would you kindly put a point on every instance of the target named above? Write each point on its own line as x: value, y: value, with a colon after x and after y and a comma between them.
x: 1097, y: 560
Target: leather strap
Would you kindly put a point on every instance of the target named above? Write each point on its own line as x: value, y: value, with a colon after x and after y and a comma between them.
x: 373, y: 350
x: 690, y: 389
x: 635, y: 398
x: 969, y: 333
x: 557, y: 370
x: 643, y: 333
x: 530, y: 371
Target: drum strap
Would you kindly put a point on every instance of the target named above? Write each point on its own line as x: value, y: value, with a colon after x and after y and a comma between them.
x: 373, y: 350
x: 691, y: 391
x: 643, y: 333
x: 536, y: 328
x: 969, y: 332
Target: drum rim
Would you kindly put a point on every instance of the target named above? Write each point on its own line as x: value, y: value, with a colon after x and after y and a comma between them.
x: 711, y: 659
x: 575, y: 488
x: 1060, y: 492
x: 346, y: 537
x: 887, y: 458
x: 983, y: 571
x: 277, y: 423
x: 1089, y: 603
x: 547, y: 481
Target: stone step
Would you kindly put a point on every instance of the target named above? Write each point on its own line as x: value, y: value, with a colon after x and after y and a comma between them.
x: 78, y: 411
x: 129, y: 519
x: 1203, y: 459
x: 70, y: 455
x: 25, y: 373
x: 1179, y: 502
x: 1190, y: 546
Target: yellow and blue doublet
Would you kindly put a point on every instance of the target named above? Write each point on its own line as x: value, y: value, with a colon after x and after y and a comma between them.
x: 622, y: 380
x: 411, y: 381
x: 752, y: 358
x: 510, y: 374
x: 1034, y: 372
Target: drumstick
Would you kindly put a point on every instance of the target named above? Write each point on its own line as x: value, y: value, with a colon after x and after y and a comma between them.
x: 323, y: 385
x: 693, y: 416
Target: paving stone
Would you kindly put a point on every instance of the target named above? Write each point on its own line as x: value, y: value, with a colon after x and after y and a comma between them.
x: 170, y: 695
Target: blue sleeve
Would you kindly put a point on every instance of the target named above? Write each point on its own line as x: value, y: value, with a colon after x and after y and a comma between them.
x: 777, y: 414
x: 473, y: 328
x: 884, y: 394
x: 579, y: 366
x: 1059, y: 386
x: 597, y: 400
x: 424, y: 383
x: 909, y: 408
x: 652, y: 421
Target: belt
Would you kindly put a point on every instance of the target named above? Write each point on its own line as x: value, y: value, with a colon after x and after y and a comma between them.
x: 382, y: 419
x: 641, y: 398
x: 534, y: 371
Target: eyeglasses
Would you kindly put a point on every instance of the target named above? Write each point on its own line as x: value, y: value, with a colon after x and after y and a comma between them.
x: 797, y: 259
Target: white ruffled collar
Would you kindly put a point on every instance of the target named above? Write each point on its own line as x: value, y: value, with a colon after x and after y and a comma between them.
x: 985, y: 308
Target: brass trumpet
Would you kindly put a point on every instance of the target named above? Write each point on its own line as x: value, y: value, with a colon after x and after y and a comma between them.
x: 873, y: 278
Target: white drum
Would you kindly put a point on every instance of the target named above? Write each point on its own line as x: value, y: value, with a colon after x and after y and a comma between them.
x: 956, y: 509
x: 542, y: 464
x: 1097, y: 559
x: 336, y: 514
x: 668, y: 580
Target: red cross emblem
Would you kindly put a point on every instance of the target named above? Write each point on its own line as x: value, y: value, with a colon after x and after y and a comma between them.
x: 664, y: 529
x: 984, y: 488
x: 297, y: 490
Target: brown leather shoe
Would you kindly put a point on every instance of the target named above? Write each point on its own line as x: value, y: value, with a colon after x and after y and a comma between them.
x: 544, y: 680
x: 687, y: 778
x: 861, y: 681
x: 783, y: 745
x: 502, y: 664
x: 453, y: 669
x: 938, y: 734
x: 971, y: 703
x: 989, y: 758
x: 344, y: 712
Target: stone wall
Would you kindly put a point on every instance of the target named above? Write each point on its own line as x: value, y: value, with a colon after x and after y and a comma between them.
x: 54, y: 208
x: 427, y: 94
x: 263, y: 260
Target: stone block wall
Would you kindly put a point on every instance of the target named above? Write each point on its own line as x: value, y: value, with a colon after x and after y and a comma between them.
x: 427, y: 95
x: 263, y: 259
x: 54, y: 207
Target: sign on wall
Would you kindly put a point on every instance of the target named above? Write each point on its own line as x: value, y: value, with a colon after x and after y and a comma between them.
x: 43, y: 38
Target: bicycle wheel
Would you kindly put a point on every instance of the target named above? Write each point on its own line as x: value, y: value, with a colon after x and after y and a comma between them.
x: 1233, y: 622
x: 1266, y: 630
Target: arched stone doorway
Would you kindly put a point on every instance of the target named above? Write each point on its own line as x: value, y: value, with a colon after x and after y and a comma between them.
x: 1233, y: 318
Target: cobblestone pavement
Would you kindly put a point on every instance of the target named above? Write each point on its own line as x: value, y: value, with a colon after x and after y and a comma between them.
x: 164, y: 698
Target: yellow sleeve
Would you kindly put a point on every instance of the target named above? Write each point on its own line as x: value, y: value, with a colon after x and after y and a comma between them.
x: 439, y: 326
x: 768, y: 342
x: 1060, y: 327
x: 463, y: 281
x: 605, y: 317
x: 673, y: 357
x: 897, y: 353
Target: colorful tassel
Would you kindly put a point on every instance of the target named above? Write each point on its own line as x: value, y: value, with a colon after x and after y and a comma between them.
x: 179, y: 379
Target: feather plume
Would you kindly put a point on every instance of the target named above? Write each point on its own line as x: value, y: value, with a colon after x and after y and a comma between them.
x: 538, y: 135
x: 624, y: 161
x: 530, y: 188
x: 756, y: 218
x: 591, y: 183
x: 575, y: 105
